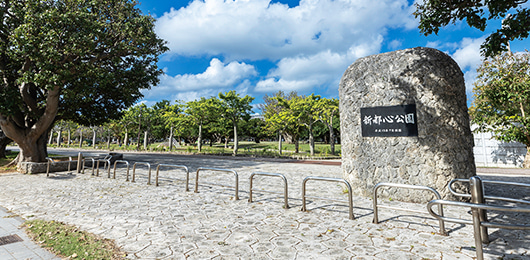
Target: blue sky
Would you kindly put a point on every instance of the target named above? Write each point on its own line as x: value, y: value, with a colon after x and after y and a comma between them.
x: 259, y: 47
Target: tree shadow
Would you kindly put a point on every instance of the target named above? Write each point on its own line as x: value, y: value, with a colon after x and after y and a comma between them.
x: 509, y: 154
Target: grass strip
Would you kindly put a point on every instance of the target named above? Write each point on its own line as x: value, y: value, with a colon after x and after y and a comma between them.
x: 68, y: 241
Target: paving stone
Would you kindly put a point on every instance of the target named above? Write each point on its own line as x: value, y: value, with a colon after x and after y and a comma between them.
x: 166, y: 222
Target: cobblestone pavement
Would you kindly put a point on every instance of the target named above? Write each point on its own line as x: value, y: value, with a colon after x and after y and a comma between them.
x: 166, y: 222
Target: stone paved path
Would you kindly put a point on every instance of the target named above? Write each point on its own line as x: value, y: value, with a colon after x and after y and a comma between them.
x: 166, y: 222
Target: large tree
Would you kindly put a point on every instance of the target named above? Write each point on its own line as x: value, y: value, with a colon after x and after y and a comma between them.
x: 502, y: 98
x: 434, y: 14
x: 236, y: 108
x: 328, y: 113
x: 76, y: 60
x: 175, y: 120
x: 305, y: 112
x: 202, y: 112
x: 4, y: 141
x: 271, y: 113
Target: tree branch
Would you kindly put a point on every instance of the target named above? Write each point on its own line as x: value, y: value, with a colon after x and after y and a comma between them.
x: 52, y: 106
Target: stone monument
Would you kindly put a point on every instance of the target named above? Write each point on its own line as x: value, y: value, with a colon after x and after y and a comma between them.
x: 404, y: 119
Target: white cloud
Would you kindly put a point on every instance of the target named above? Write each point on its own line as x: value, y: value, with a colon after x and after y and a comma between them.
x: 468, y: 54
x: 216, y: 77
x: 468, y: 58
x: 257, y: 29
x: 395, y: 44
x: 322, y: 69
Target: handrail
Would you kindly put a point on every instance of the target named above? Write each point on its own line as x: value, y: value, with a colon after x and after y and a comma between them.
x: 450, y: 187
x: 405, y: 186
x: 175, y: 166
x: 350, y: 196
x: 285, y: 192
x: 93, y: 165
x: 50, y: 160
x: 121, y: 161
x: 219, y: 170
x: 106, y: 160
x: 476, y: 222
x: 148, y: 167
x: 463, y: 195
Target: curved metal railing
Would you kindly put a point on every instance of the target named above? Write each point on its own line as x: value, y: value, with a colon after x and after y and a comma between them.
x: 121, y: 161
x: 405, y: 186
x: 476, y: 221
x: 219, y: 170
x: 148, y: 168
x: 174, y: 166
x: 285, y: 192
x: 464, y: 195
x: 350, y: 196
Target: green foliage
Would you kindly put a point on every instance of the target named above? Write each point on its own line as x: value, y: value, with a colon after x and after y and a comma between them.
x: 235, y: 108
x: 71, y: 242
x: 434, y: 14
x: 502, y: 97
x: 99, y: 54
x: 83, y: 61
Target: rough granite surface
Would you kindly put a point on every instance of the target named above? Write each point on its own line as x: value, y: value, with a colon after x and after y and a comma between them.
x: 443, y: 149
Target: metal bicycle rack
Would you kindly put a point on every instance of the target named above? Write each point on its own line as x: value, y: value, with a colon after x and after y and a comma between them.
x: 285, y: 193
x: 106, y: 160
x: 350, y: 199
x: 479, y: 209
x: 478, y: 195
x: 406, y: 186
x: 477, y: 223
x: 464, y: 195
x: 93, y: 164
x: 121, y: 161
x: 174, y: 166
x: 148, y: 167
x: 50, y: 160
x: 219, y: 170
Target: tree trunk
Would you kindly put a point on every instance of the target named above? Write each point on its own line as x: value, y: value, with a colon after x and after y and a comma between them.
x: 526, y: 162
x: 296, y: 145
x: 69, y: 135
x: 171, y: 139
x: 331, y: 137
x: 332, y: 141
x: 59, y: 136
x: 4, y: 141
x: 94, y: 138
x: 235, y: 140
x: 32, y: 150
x: 51, y: 137
x: 145, y: 140
x: 80, y: 139
x: 280, y: 142
x: 126, y: 139
x: 31, y: 139
x: 311, y: 140
x: 108, y: 142
x: 199, y: 142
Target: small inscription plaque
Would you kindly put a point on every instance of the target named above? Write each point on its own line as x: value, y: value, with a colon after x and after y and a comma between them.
x: 389, y: 121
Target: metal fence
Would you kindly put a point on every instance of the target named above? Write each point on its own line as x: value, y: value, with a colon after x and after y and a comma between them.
x: 218, y: 170
x: 479, y: 209
x: 405, y: 186
x: 285, y: 189
x: 315, y: 178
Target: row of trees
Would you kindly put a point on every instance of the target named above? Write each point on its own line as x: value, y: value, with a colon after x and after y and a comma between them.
x: 86, y: 61
x: 216, y: 120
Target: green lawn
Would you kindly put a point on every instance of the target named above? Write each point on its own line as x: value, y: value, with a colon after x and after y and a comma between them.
x: 265, y: 149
